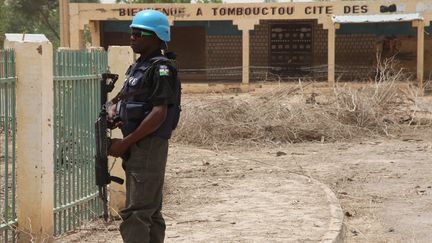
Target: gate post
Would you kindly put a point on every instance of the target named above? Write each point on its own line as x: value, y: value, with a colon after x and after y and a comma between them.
x: 119, y: 59
x: 34, y: 117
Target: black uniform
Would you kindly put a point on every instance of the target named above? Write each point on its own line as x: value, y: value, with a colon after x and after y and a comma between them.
x: 150, y: 81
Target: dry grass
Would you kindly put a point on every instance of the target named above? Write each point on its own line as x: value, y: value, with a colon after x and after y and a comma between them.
x: 292, y: 115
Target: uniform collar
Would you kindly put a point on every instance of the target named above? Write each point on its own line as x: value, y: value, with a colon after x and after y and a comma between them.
x: 147, y: 58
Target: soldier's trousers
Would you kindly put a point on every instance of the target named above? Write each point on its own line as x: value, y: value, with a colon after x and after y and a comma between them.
x: 145, y: 171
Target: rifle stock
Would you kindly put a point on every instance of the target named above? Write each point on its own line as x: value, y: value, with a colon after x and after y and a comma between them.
x: 103, y: 178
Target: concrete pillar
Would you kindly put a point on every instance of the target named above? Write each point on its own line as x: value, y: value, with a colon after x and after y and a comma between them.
x: 420, y: 53
x: 76, y: 30
x: 95, y: 33
x: 119, y: 59
x: 245, y: 58
x: 331, y: 54
x: 64, y: 23
x: 245, y: 25
x: 34, y: 109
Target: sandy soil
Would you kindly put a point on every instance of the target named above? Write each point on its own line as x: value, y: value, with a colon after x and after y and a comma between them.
x: 384, y: 185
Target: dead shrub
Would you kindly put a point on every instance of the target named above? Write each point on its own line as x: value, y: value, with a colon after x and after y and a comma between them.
x: 287, y: 115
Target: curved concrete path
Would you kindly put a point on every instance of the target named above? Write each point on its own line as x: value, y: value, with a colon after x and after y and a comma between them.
x: 220, y: 198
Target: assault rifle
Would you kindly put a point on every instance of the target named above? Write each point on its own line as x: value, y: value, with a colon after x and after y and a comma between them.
x: 103, y: 142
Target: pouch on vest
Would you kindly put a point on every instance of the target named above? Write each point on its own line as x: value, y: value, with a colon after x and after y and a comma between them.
x: 134, y: 111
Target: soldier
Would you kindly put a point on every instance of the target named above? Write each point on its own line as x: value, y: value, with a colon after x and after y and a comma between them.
x: 148, y: 107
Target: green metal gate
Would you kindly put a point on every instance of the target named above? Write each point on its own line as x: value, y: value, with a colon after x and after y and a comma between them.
x: 7, y: 146
x: 76, y: 107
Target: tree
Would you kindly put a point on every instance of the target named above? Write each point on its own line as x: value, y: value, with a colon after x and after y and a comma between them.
x: 3, y: 20
x: 153, y: 1
x: 36, y: 16
x: 32, y: 16
x: 6, y: 24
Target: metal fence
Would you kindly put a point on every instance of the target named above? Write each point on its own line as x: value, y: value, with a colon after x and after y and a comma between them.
x: 76, y: 107
x: 7, y: 146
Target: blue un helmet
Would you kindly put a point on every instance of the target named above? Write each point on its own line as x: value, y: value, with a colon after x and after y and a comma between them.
x: 152, y: 20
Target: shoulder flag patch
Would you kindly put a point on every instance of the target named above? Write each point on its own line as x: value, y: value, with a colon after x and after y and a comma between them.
x: 163, y: 70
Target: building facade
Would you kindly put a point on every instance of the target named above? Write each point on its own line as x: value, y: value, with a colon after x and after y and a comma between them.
x: 272, y: 41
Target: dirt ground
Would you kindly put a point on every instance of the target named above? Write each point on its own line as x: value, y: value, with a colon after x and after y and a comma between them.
x: 384, y: 186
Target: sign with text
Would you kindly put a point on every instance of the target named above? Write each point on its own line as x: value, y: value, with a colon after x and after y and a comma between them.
x: 253, y: 11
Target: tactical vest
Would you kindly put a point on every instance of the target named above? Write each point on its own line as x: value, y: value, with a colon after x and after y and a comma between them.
x: 135, y: 105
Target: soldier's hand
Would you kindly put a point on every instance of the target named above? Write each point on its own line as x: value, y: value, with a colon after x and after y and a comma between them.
x: 118, y: 147
x: 112, y: 111
x: 113, y: 119
x: 114, y: 123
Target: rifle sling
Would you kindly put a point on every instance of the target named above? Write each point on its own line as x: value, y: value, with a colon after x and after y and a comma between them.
x: 121, y: 96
